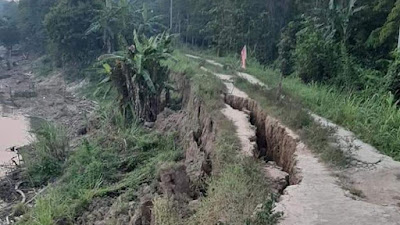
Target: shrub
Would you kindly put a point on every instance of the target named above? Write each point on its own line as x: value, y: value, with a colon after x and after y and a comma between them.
x: 287, y: 46
x: 46, y: 159
x: 66, y: 24
x: 315, y: 56
x: 393, y: 78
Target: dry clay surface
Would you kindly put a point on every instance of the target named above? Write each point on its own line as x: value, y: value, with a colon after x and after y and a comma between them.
x: 320, y: 198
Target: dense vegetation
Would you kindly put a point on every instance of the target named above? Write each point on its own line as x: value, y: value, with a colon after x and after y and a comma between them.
x: 347, y: 43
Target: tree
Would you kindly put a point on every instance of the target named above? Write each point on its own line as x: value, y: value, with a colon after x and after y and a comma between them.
x: 110, y: 22
x: 31, y: 15
x: 139, y: 76
x: 9, y: 33
x: 66, y: 24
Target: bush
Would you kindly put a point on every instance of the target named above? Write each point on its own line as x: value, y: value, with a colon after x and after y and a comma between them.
x: 66, y: 24
x: 287, y: 46
x: 393, y: 78
x: 315, y: 57
x: 46, y: 159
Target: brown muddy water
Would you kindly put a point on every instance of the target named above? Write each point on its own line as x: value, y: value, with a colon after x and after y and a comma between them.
x: 14, y: 131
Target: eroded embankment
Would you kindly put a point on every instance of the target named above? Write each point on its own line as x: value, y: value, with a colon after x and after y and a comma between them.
x: 320, y: 197
x: 195, y: 127
x: 274, y: 141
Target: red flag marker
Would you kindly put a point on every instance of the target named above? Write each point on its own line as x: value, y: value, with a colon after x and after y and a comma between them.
x: 244, y: 57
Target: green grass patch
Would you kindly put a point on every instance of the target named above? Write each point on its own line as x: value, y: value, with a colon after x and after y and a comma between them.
x: 205, y: 85
x: 45, y: 159
x: 117, y: 159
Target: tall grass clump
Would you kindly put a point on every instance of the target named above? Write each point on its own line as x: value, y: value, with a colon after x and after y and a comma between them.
x: 45, y: 160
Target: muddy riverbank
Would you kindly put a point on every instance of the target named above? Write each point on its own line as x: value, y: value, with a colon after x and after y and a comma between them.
x: 25, y: 97
x: 14, y: 131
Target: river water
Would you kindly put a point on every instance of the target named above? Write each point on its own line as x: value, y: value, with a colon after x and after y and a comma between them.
x: 14, y: 131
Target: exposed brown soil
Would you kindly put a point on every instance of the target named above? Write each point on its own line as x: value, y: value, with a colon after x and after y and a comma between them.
x: 274, y: 141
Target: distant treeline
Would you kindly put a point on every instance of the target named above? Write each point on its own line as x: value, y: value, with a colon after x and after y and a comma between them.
x: 347, y: 43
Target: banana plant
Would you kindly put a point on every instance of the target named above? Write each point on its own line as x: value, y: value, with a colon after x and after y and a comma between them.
x: 138, y: 75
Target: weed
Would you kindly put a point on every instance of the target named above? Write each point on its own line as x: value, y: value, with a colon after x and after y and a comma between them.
x: 119, y: 158
x: 46, y: 159
x: 357, y: 192
x: 19, y: 209
x: 320, y: 139
x: 265, y: 214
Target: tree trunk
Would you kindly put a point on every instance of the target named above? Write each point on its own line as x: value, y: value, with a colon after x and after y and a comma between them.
x: 398, y: 42
x: 9, y: 58
x: 109, y: 46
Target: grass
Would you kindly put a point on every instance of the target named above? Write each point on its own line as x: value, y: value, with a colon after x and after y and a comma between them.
x: 166, y: 211
x: 43, y: 66
x: 293, y: 115
x: 374, y: 118
x: 237, y: 185
x: 45, y: 160
x: 205, y: 85
x: 117, y: 159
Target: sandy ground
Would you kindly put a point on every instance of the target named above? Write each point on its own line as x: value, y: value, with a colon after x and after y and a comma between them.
x: 320, y: 197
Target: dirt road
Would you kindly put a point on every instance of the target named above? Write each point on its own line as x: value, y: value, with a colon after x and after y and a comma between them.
x: 321, y: 197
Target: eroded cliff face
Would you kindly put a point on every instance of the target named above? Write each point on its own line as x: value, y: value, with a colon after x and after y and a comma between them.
x: 275, y: 142
x: 196, y: 130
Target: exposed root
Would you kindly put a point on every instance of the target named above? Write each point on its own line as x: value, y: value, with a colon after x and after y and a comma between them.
x: 20, y: 192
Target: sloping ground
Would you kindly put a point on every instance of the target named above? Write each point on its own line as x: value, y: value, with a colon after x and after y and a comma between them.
x: 319, y: 198
x: 27, y: 100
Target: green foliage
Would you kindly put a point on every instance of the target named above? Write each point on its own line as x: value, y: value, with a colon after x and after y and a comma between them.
x: 66, y: 25
x: 46, y: 159
x: 110, y: 22
x: 9, y: 33
x: 266, y: 215
x: 393, y: 77
x: 315, y: 56
x: 43, y: 66
x: 31, y: 15
x: 139, y: 76
x: 287, y: 46
x: 119, y: 158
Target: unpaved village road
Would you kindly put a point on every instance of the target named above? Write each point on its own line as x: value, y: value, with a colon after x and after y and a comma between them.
x: 320, y: 197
